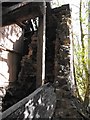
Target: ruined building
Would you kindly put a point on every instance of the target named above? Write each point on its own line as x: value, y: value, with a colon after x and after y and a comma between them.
x: 26, y: 27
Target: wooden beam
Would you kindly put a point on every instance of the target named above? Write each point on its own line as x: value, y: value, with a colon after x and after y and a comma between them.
x: 39, y: 53
x: 23, y: 13
x: 20, y: 24
x: 41, y: 47
x: 12, y: 8
x: 44, y: 42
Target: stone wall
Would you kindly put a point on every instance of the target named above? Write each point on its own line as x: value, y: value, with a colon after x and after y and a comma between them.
x: 67, y: 105
x: 26, y: 80
x: 9, y: 56
x: 39, y: 105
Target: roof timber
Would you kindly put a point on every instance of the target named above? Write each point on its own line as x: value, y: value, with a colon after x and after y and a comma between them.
x: 11, y: 6
x: 20, y: 12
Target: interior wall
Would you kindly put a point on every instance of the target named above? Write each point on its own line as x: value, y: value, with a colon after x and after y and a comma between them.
x: 14, y: 59
x: 13, y: 64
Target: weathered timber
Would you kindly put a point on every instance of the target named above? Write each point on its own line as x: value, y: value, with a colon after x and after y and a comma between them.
x: 39, y: 53
x: 11, y: 7
x: 44, y: 43
x: 24, y: 12
x: 43, y: 101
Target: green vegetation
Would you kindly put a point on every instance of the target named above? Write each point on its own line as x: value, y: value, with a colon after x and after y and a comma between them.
x: 81, y: 59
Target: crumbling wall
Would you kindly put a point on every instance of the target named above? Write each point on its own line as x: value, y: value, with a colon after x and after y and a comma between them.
x: 67, y: 105
x: 8, y: 36
x: 62, y: 45
x: 9, y: 57
x: 26, y: 82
